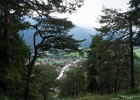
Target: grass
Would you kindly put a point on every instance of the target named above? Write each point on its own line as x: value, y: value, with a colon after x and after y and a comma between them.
x: 96, y: 97
x: 105, y: 97
x: 126, y: 95
x: 90, y: 97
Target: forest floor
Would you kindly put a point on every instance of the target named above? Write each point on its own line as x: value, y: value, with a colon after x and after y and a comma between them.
x: 106, y: 97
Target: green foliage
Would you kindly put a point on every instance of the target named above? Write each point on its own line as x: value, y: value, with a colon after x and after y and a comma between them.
x: 106, y: 97
x: 135, y: 11
x: 43, y: 82
x: 91, y: 97
x: 53, y: 33
x: 106, y: 62
x: 110, y: 56
x: 133, y: 91
x: 14, y: 54
x: 137, y: 71
x: 137, y: 52
x: 73, y: 82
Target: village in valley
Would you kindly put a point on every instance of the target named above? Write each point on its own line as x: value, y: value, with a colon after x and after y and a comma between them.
x: 59, y: 59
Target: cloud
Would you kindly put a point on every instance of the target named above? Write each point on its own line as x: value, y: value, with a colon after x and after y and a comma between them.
x: 86, y: 16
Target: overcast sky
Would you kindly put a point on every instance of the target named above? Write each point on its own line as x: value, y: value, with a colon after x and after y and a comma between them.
x: 87, y: 15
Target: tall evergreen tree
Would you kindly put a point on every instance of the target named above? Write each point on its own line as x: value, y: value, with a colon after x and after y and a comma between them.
x: 12, y: 21
x: 117, y: 34
x: 53, y: 33
x: 134, y: 15
x: 120, y: 25
x: 106, y: 61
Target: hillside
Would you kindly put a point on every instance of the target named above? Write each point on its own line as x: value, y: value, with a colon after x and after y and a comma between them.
x: 79, y: 33
x: 83, y: 33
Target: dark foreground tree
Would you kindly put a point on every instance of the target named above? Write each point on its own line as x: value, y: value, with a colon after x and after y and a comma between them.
x: 12, y: 15
x: 12, y: 71
x: 120, y: 25
x: 106, y: 61
x: 108, y: 56
x: 72, y: 84
x: 45, y: 80
x: 135, y: 19
x: 53, y: 34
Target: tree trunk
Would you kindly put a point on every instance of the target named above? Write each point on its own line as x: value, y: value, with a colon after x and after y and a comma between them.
x: 6, y: 33
x: 108, y: 85
x: 4, y: 59
x: 132, y: 83
x: 29, y: 71
x: 116, y: 80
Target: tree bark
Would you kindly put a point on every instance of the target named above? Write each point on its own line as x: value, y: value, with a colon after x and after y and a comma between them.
x: 132, y: 83
x: 29, y: 71
x: 4, y: 59
x: 6, y: 32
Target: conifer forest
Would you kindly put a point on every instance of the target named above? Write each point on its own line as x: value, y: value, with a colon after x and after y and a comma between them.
x: 55, y: 66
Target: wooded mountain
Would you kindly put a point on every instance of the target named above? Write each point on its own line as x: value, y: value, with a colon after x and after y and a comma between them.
x: 78, y: 32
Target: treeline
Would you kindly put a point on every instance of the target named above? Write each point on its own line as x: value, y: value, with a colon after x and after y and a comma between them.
x: 110, y: 62
x: 111, y: 65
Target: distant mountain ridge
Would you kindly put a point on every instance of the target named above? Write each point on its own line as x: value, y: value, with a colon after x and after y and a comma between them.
x: 83, y: 33
x: 78, y: 33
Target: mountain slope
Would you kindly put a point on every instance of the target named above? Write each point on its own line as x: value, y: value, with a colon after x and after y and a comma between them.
x: 78, y: 33
x: 83, y: 33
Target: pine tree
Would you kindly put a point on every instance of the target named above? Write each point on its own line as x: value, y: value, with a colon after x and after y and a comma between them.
x: 119, y: 25
x: 12, y: 20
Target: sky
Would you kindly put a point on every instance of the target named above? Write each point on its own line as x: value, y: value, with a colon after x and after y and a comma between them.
x: 87, y: 15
